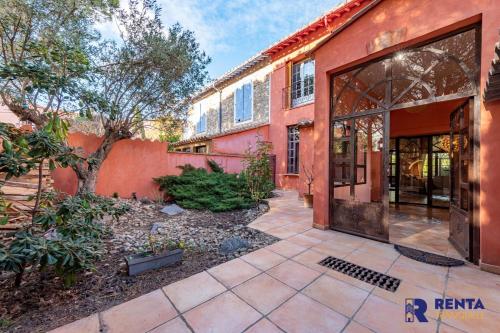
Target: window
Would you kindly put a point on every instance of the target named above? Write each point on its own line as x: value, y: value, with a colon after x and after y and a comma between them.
x: 243, y: 107
x: 200, y: 149
x: 302, y: 82
x: 201, y: 122
x: 293, y: 149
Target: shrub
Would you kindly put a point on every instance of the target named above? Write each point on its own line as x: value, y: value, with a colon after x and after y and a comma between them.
x: 258, y: 173
x: 215, y: 191
x: 65, y: 236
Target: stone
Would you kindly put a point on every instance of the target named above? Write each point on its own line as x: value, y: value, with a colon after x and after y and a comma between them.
x: 172, y: 210
x: 232, y: 245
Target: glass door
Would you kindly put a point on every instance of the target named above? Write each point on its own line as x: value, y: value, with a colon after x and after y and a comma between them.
x: 359, y: 178
x: 414, y: 170
x: 461, y: 168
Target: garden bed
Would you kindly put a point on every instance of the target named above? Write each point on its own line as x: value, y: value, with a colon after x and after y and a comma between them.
x: 42, y: 303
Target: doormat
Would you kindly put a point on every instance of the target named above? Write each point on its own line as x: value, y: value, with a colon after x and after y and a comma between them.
x: 427, y: 257
x: 364, y: 274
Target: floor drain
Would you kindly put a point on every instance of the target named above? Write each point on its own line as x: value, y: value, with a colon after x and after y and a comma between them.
x: 362, y: 273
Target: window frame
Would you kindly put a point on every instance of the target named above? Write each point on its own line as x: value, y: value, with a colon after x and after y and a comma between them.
x: 241, y: 86
x: 293, y: 145
x: 309, y: 98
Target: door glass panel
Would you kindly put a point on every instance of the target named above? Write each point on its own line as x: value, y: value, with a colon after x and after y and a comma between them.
x: 369, y: 159
x: 342, y: 159
x: 413, y: 155
x: 441, y: 170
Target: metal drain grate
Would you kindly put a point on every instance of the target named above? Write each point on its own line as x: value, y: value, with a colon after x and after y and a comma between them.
x: 361, y: 273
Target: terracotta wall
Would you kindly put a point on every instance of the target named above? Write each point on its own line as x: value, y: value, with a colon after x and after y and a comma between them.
x: 352, y: 47
x: 132, y: 165
x: 238, y: 143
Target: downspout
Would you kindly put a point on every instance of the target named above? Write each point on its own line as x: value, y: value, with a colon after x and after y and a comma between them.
x: 220, y: 106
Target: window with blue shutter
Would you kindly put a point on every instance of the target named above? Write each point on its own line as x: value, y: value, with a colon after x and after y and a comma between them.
x: 243, y: 103
x: 201, y: 124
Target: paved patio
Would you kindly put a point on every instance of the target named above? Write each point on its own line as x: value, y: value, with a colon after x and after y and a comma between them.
x: 282, y: 288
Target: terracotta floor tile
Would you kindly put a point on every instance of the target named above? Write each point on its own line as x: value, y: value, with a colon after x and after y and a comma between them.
x: 489, y: 295
x: 263, y: 259
x: 443, y: 328
x: 140, y: 314
x: 417, y: 276
x: 293, y: 274
x: 349, y: 280
x: 176, y: 325
x: 264, y: 293
x: 88, y: 324
x: 369, y: 260
x: 225, y: 313
x: 354, y: 327
x: 322, y: 235
x: 281, y: 232
x: 299, y: 227
x: 409, y: 290
x: 192, y: 291
x: 472, y: 274
x: 337, y: 295
x: 304, y: 241
x: 262, y: 226
x: 301, y: 314
x: 286, y: 249
x: 333, y: 248
x: 488, y: 323
x: 381, y: 315
x: 233, y: 272
x: 310, y: 259
x: 264, y: 326
x: 379, y: 249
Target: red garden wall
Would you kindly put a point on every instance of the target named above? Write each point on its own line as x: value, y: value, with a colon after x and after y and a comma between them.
x: 132, y: 165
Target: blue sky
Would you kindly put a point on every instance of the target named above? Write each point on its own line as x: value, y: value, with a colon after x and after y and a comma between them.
x: 231, y: 31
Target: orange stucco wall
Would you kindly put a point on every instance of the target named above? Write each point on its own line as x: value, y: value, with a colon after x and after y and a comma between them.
x: 132, y: 165
x: 280, y: 119
x: 351, y: 47
x: 238, y: 143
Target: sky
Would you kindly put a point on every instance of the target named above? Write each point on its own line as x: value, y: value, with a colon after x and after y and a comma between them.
x: 231, y: 31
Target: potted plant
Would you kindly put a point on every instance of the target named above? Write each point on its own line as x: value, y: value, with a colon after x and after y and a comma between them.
x: 308, y: 197
x: 158, y: 253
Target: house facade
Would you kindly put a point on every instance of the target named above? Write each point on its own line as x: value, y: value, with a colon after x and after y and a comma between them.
x: 235, y: 109
x: 393, y: 110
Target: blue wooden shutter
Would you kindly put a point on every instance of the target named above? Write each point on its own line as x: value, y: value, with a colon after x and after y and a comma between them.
x: 203, y: 119
x: 247, y: 104
x: 238, y: 105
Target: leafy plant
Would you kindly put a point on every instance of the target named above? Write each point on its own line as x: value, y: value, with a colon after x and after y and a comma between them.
x: 198, y: 189
x: 157, y: 245
x: 258, y: 173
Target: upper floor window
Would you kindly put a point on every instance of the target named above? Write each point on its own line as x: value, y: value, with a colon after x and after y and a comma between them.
x: 243, y: 105
x: 201, y: 119
x: 302, y: 89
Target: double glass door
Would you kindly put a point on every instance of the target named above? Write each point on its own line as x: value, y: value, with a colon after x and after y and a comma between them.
x: 420, y: 170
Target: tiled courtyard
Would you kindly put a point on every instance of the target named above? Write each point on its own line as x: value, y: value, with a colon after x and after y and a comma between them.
x: 281, y: 288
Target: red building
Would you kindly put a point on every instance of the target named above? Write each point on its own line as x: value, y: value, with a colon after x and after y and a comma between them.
x: 393, y: 109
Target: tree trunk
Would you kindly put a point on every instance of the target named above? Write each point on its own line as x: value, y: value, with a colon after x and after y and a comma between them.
x: 87, y: 172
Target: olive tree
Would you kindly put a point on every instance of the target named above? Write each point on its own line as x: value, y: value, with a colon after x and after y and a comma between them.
x: 44, y: 54
x: 148, y: 74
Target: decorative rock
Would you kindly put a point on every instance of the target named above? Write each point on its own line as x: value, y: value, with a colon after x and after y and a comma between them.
x: 172, y: 210
x: 233, y: 244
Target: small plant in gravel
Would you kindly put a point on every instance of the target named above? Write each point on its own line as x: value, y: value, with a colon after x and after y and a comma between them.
x: 216, y: 191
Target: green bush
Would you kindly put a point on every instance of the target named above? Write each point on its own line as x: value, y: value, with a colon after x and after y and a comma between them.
x: 198, y: 189
x: 64, y: 236
x: 258, y: 173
